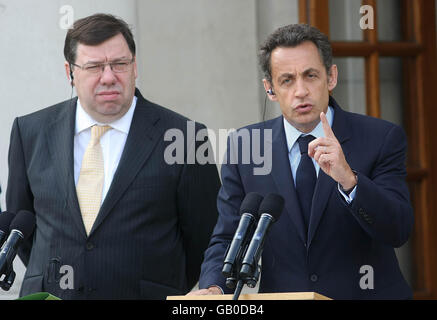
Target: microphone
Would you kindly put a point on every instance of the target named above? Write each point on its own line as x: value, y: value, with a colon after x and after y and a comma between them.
x: 5, y: 221
x: 249, y: 215
x: 20, y: 228
x: 270, y: 210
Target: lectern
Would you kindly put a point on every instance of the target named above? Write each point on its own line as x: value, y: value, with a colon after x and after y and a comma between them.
x: 257, y: 296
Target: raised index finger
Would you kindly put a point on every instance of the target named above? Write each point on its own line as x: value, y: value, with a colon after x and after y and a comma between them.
x: 326, y: 127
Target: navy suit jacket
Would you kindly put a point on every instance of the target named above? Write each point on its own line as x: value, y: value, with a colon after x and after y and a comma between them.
x: 152, y: 229
x: 343, y: 240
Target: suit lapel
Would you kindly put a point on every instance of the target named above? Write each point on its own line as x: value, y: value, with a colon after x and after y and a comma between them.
x: 144, y: 133
x: 324, y: 187
x: 325, y: 184
x: 281, y: 174
x: 60, y: 140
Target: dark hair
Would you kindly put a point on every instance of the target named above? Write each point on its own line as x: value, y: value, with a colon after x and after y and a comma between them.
x: 292, y: 36
x: 94, y: 30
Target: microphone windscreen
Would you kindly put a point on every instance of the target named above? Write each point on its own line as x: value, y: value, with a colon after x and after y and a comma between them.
x: 272, y: 204
x: 24, y: 221
x: 251, y: 203
x: 5, y: 220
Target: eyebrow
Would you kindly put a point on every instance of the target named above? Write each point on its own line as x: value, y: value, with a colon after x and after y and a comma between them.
x: 100, y: 61
x: 124, y: 58
x: 288, y: 75
x: 310, y: 70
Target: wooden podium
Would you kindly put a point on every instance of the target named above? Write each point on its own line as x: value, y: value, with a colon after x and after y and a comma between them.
x: 257, y: 296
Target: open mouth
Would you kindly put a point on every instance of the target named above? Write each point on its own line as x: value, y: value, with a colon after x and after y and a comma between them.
x: 304, y: 107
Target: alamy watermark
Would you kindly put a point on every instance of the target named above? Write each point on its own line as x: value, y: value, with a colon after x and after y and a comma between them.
x: 367, y: 280
x: 67, y: 17
x: 367, y: 20
x: 246, y: 147
x: 66, y: 282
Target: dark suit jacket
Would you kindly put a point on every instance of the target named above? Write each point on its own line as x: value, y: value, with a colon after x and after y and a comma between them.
x: 341, y: 238
x: 154, y: 224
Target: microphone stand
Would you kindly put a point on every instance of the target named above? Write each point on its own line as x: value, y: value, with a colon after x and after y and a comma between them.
x: 237, y: 291
x: 237, y: 282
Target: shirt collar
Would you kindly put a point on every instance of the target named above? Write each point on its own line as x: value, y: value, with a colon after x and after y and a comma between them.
x: 85, y: 121
x: 292, y: 134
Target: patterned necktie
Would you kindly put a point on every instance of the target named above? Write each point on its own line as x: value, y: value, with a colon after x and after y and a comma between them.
x: 90, y: 184
x: 305, y: 178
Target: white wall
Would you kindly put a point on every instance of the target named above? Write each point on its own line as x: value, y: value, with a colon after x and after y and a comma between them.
x: 199, y: 59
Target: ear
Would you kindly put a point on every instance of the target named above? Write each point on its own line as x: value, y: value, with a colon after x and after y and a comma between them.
x: 67, y: 71
x: 267, y: 87
x: 332, y: 77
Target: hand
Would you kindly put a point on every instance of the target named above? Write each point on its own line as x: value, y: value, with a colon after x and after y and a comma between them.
x: 204, y: 292
x: 329, y: 155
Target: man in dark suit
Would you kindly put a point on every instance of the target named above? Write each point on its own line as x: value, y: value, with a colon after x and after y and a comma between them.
x: 342, y: 176
x: 114, y: 219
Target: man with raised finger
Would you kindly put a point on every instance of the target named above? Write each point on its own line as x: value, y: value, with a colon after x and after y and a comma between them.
x: 342, y: 176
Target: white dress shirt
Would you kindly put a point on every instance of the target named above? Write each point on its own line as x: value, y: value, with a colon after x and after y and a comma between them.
x: 112, y: 142
x: 292, y: 134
